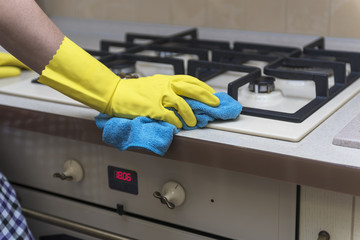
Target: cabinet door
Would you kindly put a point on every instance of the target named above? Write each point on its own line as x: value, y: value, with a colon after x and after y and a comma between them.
x: 356, y: 233
x: 325, y: 210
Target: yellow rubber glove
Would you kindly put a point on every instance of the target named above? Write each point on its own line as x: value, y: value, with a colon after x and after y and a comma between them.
x: 80, y: 76
x: 10, y: 66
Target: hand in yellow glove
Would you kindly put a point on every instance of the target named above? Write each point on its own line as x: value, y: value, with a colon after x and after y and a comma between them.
x: 10, y: 66
x: 80, y: 76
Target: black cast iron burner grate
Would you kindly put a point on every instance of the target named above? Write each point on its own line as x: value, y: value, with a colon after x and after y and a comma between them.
x: 283, y: 62
x: 167, y: 48
x: 307, y: 67
x: 312, y: 63
x: 292, y: 64
x: 323, y: 93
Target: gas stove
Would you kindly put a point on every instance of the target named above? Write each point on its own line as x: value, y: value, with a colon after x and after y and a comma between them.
x: 286, y: 91
x: 237, y: 186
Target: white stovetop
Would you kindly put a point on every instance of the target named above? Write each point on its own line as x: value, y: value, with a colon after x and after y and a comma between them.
x: 316, y: 146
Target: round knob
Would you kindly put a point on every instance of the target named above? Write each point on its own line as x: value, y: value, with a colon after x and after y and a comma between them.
x: 172, y: 194
x: 72, y: 171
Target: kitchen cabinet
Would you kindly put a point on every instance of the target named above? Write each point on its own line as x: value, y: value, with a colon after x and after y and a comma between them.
x: 322, y: 210
x: 356, y: 223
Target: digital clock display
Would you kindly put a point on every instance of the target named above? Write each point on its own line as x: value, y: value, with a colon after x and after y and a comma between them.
x: 123, y: 180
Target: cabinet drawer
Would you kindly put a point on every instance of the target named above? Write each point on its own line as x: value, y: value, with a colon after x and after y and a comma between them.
x: 322, y: 210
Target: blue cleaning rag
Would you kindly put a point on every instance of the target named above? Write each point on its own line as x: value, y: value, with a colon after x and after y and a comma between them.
x: 156, y: 135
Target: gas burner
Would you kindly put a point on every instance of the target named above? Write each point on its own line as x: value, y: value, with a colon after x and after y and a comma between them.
x: 262, y: 84
x: 120, y: 66
x: 127, y: 76
x: 167, y: 54
x: 120, y: 70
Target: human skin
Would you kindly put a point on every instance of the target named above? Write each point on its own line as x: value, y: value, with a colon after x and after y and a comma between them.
x: 28, y: 34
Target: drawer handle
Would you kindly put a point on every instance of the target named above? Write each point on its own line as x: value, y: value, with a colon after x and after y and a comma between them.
x: 74, y: 226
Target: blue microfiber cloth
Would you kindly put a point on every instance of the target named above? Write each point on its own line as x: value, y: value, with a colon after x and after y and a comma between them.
x: 156, y: 135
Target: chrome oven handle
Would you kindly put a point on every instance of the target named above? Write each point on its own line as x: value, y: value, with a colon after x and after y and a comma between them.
x: 74, y: 226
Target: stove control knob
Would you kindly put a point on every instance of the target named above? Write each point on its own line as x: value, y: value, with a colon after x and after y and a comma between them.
x: 172, y: 194
x: 72, y: 171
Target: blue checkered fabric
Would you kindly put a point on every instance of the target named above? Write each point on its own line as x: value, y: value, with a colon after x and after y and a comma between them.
x: 12, y: 222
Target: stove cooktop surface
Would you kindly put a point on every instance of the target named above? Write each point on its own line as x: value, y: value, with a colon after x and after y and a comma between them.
x: 270, y: 109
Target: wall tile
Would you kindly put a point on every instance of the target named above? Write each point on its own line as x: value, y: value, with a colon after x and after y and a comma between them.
x: 96, y: 9
x: 67, y: 8
x: 226, y: 14
x: 41, y: 3
x: 53, y: 9
x: 345, y: 18
x: 154, y: 11
x: 308, y: 17
x: 189, y: 12
x: 265, y: 15
x: 337, y: 18
x: 121, y: 10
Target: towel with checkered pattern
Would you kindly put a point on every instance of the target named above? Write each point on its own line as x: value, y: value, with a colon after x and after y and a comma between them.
x: 13, y: 225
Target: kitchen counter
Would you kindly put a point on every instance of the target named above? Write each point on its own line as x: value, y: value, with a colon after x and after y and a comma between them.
x: 313, y: 161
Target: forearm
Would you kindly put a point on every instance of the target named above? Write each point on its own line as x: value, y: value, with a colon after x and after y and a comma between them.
x: 27, y: 33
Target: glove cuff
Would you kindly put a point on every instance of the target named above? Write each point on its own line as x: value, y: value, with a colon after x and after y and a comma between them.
x: 77, y: 74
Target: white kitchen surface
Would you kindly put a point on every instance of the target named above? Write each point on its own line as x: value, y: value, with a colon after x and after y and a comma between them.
x: 25, y: 88
x: 316, y: 146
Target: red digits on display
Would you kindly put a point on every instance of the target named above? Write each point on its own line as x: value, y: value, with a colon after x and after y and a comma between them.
x: 123, y: 176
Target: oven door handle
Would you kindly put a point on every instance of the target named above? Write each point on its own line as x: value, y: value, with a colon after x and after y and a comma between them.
x: 90, y: 231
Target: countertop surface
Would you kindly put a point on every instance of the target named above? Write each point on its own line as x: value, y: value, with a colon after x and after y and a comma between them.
x: 313, y: 161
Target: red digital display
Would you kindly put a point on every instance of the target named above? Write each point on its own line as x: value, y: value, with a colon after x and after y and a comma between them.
x: 124, y: 180
x: 125, y: 176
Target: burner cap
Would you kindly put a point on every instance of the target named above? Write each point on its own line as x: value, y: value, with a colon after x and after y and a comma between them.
x: 123, y: 75
x: 263, y: 84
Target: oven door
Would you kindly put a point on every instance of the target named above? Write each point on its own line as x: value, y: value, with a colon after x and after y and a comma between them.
x: 55, y: 217
x: 47, y: 227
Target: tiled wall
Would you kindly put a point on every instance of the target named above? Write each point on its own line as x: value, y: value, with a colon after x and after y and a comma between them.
x: 339, y: 18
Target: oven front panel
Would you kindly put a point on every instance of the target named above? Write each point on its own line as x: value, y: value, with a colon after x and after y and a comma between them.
x: 50, y: 215
x: 219, y: 202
